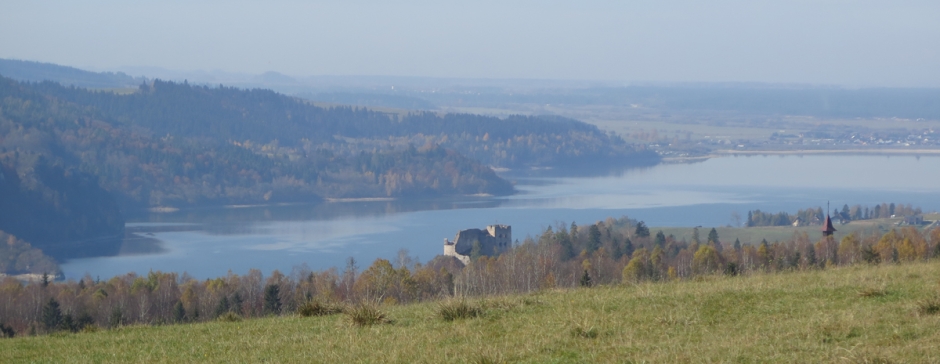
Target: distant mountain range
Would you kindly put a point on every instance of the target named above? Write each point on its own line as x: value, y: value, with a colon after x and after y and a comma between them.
x: 489, y: 95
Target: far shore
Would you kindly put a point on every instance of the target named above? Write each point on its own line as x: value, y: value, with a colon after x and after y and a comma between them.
x: 732, y: 152
x: 361, y: 199
x: 829, y: 151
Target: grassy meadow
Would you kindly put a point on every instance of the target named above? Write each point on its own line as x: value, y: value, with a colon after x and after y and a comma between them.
x: 856, y: 314
x: 754, y: 235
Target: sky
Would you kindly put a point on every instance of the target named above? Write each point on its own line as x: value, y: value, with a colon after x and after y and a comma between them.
x: 830, y: 42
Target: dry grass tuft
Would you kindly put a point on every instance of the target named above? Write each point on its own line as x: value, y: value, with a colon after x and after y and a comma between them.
x: 458, y: 309
x: 318, y: 308
x: 872, y: 292
x: 229, y: 317
x: 366, y: 315
x: 489, y: 359
x: 930, y: 306
x: 584, y: 332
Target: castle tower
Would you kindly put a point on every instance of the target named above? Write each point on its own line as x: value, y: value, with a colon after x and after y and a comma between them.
x: 502, y: 235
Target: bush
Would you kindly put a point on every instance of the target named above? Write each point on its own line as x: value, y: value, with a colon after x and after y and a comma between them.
x: 930, y: 306
x: 586, y: 333
x: 458, y: 309
x: 317, y: 308
x: 6, y: 331
x: 229, y: 317
x: 366, y: 315
x: 872, y: 292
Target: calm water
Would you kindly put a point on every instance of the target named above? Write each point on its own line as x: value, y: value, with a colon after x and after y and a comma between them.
x: 210, y: 242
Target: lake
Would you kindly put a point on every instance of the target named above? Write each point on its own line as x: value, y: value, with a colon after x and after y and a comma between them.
x: 210, y: 242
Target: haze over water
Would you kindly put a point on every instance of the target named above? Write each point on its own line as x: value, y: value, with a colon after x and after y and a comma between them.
x: 209, y: 242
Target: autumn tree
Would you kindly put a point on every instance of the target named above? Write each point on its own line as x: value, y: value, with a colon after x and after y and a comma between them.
x: 706, y: 260
x: 638, y: 268
x: 849, y: 249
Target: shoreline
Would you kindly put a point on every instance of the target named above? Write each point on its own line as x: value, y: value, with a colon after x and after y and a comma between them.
x: 361, y: 199
x: 732, y: 152
x: 828, y: 151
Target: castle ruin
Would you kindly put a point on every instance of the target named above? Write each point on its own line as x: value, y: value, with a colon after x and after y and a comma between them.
x: 493, y: 241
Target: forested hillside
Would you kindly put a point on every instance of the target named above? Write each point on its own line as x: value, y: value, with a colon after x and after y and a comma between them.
x: 62, y: 211
x: 263, y: 116
x: 212, y: 146
x: 175, y: 143
x: 69, y: 76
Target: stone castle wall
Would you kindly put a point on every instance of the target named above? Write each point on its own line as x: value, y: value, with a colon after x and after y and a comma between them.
x: 494, y: 240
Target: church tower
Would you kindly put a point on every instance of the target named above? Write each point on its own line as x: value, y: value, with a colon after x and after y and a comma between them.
x: 828, y: 229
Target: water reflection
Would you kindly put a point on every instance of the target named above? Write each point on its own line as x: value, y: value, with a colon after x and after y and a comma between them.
x: 218, y: 220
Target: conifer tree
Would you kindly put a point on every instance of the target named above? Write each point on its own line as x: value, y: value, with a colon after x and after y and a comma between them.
x: 628, y: 248
x: 616, y: 251
x: 272, y: 301
x: 179, y: 312
x: 68, y: 324
x: 51, y: 315
x: 223, y: 307
x: 585, y: 279
x: 117, y: 317
x: 237, y: 303
x: 660, y: 239
x: 713, y: 237
x: 594, y: 238
x: 641, y: 230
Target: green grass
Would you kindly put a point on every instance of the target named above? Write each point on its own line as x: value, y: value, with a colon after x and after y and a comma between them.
x: 853, y: 314
x: 754, y: 235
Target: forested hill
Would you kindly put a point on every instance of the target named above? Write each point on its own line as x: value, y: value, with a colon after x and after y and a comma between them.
x: 152, y: 150
x: 69, y: 76
x: 263, y: 117
x: 61, y: 211
x: 179, y: 144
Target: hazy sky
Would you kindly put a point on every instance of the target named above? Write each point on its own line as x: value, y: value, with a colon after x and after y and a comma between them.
x: 854, y: 43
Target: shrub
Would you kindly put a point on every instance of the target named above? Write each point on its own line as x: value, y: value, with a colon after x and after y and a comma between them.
x: 586, y: 333
x: 317, y: 308
x: 229, y: 317
x: 930, y: 306
x: 6, y: 331
x: 366, y: 315
x: 458, y: 309
x: 872, y: 292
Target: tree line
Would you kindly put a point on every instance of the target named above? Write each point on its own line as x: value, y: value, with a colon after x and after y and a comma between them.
x: 614, y: 251
x: 816, y: 216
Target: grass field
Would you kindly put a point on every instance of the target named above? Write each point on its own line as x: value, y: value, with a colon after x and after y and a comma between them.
x: 859, y: 314
x: 754, y: 235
